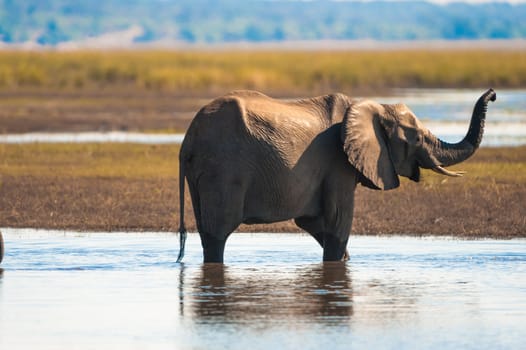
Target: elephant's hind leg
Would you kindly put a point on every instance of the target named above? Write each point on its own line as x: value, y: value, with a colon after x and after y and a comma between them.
x: 217, y: 223
x: 213, y: 247
x: 221, y: 212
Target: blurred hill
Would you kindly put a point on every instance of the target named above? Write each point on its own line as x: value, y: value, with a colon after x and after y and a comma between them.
x: 123, y: 22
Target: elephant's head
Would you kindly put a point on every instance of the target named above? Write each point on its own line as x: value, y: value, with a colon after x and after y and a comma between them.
x: 384, y: 141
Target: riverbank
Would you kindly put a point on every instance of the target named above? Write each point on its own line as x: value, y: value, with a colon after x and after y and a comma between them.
x: 162, y: 118
x: 129, y: 187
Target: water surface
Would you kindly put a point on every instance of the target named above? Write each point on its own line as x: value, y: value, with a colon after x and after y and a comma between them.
x: 63, y: 290
x: 446, y: 112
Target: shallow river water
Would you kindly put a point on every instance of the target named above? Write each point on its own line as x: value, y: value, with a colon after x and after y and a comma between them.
x: 446, y: 112
x: 66, y: 290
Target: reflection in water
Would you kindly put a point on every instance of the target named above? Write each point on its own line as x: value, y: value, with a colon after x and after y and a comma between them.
x: 317, y: 293
x: 63, y: 291
x: 181, y: 289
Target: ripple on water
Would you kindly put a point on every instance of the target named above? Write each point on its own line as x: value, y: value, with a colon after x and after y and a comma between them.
x: 63, y: 290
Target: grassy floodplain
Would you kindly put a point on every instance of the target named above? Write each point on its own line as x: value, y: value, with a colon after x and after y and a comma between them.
x: 135, y: 187
x: 88, y: 186
x: 284, y: 72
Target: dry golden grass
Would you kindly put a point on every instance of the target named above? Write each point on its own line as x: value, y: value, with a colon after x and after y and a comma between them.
x: 271, y: 71
x: 70, y: 160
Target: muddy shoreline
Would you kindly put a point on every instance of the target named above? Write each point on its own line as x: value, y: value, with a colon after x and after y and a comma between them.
x: 479, y: 205
x: 117, y: 205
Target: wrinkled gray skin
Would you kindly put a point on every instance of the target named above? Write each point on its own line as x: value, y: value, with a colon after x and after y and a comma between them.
x: 252, y: 159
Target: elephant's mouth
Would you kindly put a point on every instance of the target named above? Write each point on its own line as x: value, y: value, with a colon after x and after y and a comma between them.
x: 429, y: 161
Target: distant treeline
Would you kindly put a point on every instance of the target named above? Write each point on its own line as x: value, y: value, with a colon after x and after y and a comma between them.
x: 217, y: 21
x: 272, y: 71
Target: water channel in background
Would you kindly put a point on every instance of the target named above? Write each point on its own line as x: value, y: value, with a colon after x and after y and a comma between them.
x: 65, y: 290
x: 445, y: 112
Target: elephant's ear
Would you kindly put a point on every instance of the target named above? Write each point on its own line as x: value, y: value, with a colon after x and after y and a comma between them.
x: 364, y: 142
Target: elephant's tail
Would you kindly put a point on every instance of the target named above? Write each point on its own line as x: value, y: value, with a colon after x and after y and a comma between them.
x: 182, y: 228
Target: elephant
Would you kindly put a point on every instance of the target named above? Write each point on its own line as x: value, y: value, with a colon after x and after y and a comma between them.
x: 249, y: 158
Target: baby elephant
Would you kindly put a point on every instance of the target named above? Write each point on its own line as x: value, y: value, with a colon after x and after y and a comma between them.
x: 251, y: 159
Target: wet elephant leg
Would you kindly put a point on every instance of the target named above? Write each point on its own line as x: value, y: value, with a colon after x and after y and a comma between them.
x: 338, y: 208
x: 213, y: 248
x: 334, y: 248
x: 221, y: 201
x: 315, y: 226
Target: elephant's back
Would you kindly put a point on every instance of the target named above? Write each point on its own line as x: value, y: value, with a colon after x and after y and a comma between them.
x: 219, y: 121
x: 217, y: 134
x: 251, y: 124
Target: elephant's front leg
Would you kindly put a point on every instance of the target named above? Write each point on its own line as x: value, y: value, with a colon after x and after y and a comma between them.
x: 331, y: 248
x: 338, y: 230
x: 338, y: 207
x: 335, y: 248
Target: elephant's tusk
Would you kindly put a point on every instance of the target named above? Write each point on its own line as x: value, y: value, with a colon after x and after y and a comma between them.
x: 444, y: 171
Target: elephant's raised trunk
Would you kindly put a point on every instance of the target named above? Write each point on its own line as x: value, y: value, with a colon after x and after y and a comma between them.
x: 447, y: 154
